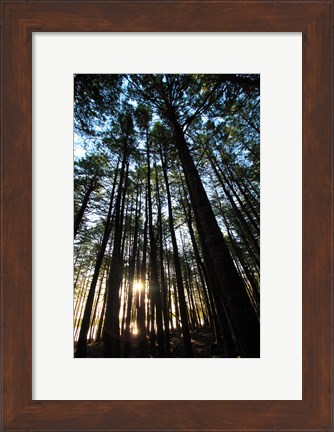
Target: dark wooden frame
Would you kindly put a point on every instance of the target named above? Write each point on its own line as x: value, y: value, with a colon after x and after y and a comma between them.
x: 19, y: 20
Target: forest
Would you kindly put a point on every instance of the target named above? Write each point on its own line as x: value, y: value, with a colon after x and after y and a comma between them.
x: 166, y: 215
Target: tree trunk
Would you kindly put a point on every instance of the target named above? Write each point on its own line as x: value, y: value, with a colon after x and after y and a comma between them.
x: 243, y: 223
x: 239, y: 310
x: 156, y: 304
x: 79, y: 215
x: 111, y: 323
x: 162, y: 270
x: 82, y: 343
x: 177, y: 265
x: 132, y: 265
x: 141, y: 303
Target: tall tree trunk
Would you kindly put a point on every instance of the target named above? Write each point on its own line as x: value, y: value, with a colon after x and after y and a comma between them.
x: 92, y: 326
x: 82, y: 343
x: 162, y: 270
x: 246, y: 193
x: 243, y: 223
x: 79, y: 215
x: 238, y: 307
x: 132, y: 265
x: 224, y: 331
x: 101, y: 319
x: 80, y: 306
x: 250, y: 277
x: 156, y: 304
x: 141, y: 304
x: 224, y: 180
x: 177, y: 265
x: 111, y: 323
x: 248, y: 245
x: 202, y: 273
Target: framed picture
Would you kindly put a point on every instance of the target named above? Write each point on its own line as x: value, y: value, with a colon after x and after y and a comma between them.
x: 278, y: 58
x: 22, y: 22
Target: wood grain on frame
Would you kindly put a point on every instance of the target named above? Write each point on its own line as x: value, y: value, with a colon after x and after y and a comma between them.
x: 19, y: 20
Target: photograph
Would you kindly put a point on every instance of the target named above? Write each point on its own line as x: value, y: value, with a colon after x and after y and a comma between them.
x: 166, y: 216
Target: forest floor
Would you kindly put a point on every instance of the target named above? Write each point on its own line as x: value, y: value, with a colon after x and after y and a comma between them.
x: 202, y: 340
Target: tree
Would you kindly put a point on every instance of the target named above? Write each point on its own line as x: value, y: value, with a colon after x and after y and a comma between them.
x: 169, y: 184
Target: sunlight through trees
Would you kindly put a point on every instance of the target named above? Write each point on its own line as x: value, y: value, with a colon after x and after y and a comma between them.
x: 167, y: 216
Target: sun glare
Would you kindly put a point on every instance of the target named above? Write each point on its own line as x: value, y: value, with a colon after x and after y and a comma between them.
x: 138, y: 286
